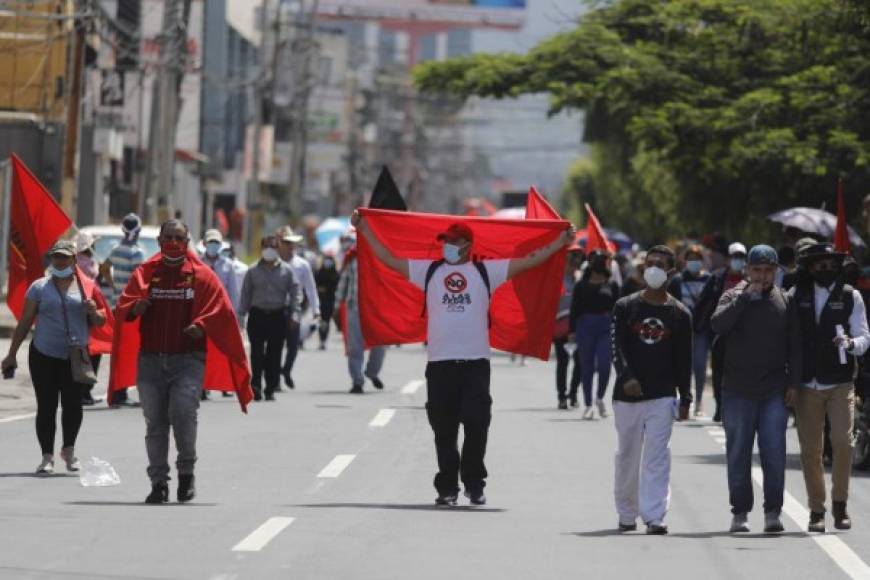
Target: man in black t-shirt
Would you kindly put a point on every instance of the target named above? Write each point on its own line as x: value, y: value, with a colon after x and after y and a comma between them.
x: 652, y: 353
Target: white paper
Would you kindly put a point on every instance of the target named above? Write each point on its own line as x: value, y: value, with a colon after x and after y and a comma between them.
x: 841, y: 333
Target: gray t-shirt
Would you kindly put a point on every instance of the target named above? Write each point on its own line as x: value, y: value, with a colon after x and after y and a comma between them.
x: 49, y: 336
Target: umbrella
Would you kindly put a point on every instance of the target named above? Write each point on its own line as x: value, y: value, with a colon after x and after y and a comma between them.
x: 813, y: 221
x: 329, y: 232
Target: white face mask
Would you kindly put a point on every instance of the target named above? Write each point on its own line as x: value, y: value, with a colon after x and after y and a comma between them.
x: 655, y: 277
x: 64, y: 273
x: 269, y: 254
x: 451, y: 253
x: 212, y: 249
x: 737, y: 264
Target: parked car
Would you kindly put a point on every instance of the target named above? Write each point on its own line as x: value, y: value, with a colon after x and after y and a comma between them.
x: 109, y: 236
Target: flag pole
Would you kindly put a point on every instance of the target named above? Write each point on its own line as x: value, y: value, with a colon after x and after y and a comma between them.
x: 6, y: 167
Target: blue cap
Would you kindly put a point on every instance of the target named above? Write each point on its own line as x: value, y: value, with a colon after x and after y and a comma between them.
x: 762, y: 254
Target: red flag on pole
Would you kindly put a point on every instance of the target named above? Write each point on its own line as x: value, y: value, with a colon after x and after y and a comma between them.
x: 841, y: 235
x: 37, y: 221
x: 596, y: 238
x: 538, y: 208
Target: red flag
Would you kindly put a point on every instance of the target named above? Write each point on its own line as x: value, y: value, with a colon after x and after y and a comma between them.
x: 841, y: 235
x: 100, y: 341
x: 226, y: 364
x: 522, y: 310
x: 36, y: 222
x: 596, y: 238
x: 538, y: 208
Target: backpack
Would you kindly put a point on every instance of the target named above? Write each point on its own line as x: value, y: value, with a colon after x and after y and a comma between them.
x: 430, y: 272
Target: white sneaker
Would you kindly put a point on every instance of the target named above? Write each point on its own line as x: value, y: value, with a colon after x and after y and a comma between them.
x: 72, y: 462
x: 47, y: 465
x: 588, y: 413
x: 602, y: 409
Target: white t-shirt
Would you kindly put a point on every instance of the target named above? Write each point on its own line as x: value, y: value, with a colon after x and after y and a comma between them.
x: 458, y: 307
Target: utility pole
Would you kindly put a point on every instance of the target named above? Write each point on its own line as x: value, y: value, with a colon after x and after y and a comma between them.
x: 164, y: 109
x: 255, y: 194
x: 73, y: 111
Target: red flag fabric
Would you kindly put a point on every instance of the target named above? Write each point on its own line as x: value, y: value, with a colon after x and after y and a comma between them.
x: 226, y: 364
x: 522, y: 310
x: 841, y: 235
x: 538, y: 208
x: 100, y: 341
x: 36, y: 222
x: 596, y: 238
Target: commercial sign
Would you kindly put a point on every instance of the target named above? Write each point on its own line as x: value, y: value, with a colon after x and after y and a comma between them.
x: 475, y: 13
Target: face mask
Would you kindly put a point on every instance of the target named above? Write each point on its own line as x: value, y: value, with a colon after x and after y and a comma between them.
x: 825, y: 278
x: 694, y: 266
x: 269, y: 254
x: 65, y: 273
x: 212, y: 249
x: 451, y: 253
x: 173, y: 250
x: 737, y: 264
x: 655, y: 277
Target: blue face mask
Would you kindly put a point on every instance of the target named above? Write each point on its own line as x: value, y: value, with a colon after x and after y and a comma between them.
x: 737, y: 264
x: 212, y: 249
x: 451, y: 253
x: 694, y: 266
x: 65, y: 273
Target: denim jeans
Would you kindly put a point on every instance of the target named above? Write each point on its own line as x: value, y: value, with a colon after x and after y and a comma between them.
x: 593, y: 340
x: 169, y: 388
x: 356, y: 351
x: 744, y: 418
x: 701, y: 348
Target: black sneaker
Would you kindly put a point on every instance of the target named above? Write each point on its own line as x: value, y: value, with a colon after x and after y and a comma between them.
x: 627, y: 527
x: 563, y: 404
x: 288, y: 380
x: 88, y: 400
x: 817, y: 523
x: 574, y: 402
x: 258, y: 396
x: 203, y: 396
x: 448, y: 499
x: 842, y: 521
x: 356, y: 390
x: 270, y: 396
x: 656, y: 530
x: 159, y: 493
x: 186, y: 489
x: 476, y: 496
x: 378, y: 384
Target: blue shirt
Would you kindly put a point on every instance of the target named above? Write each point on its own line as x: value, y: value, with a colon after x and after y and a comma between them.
x: 49, y: 336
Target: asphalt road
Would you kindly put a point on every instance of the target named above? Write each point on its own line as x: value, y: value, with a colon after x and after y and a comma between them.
x: 323, y: 484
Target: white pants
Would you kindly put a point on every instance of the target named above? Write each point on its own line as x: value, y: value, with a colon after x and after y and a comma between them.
x: 643, y: 459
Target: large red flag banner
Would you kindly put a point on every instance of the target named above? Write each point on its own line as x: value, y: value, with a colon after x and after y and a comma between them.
x: 36, y: 222
x: 522, y: 311
x: 841, y: 234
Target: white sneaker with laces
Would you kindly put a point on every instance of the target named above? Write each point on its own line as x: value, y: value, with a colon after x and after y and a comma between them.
x: 47, y: 465
x: 602, y: 409
x: 72, y: 462
x: 588, y: 413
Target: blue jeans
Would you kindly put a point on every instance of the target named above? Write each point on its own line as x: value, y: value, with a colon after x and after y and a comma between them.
x: 744, y: 418
x: 592, y: 333
x: 701, y: 346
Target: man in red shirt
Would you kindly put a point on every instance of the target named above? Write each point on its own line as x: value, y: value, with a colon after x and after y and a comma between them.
x: 171, y: 364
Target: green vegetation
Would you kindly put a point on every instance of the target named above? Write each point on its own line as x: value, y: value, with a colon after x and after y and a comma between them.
x: 703, y: 114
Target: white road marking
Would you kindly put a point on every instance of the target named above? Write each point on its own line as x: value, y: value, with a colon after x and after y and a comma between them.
x: 412, y: 387
x: 336, y: 466
x: 720, y: 440
x: 382, y: 418
x: 258, y: 539
x: 17, y: 417
x: 836, y: 549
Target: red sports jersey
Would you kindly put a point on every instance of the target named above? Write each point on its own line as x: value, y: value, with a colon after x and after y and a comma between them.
x: 171, y: 294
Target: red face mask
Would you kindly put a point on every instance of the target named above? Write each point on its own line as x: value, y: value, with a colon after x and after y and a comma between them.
x: 173, y: 249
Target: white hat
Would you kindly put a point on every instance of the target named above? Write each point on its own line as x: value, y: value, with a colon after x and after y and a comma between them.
x: 288, y: 235
x: 84, y: 241
x: 213, y: 236
x: 736, y: 248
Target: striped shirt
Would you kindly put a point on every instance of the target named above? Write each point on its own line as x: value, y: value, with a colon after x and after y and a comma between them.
x: 125, y: 258
x: 348, y: 286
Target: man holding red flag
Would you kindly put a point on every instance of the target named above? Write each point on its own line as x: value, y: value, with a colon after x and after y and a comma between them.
x: 457, y: 293
x: 187, y: 337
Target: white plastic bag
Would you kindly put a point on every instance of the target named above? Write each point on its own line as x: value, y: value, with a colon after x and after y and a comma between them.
x: 98, y: 473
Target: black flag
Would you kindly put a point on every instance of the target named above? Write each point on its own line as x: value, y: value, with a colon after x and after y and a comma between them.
x: 386, y: 193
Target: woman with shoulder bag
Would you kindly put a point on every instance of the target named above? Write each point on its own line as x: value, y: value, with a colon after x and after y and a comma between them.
x: 58, y: 358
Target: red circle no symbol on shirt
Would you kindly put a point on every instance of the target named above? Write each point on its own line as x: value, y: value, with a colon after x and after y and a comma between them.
x: 455, y: 283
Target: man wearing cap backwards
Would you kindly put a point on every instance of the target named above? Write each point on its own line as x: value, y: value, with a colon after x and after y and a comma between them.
x: 834, y: 331
x: 308, y: 298
x: 761, y: 329
x: 124, y: 259
x: 720, y: 281
x: 458, y: 373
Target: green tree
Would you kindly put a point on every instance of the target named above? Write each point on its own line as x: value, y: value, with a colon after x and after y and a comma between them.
x: 707, y: 114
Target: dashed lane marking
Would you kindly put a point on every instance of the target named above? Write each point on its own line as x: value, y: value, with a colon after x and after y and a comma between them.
x: 336, y: 466
x: 412, y: 387
x: 259, y: 538
x: 17, y: 418
x: 382, y: 418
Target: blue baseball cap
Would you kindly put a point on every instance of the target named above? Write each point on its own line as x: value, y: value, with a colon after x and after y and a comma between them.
x: 762, y: 254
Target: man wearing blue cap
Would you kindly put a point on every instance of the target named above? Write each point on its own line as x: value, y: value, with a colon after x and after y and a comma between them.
x: 761, y: 327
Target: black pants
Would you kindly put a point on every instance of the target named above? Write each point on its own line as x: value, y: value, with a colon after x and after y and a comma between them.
x: 51, y: 376
x: 458, y: 392
x: 266, y: 331
x: 327, y: 309
x: 562, y: 361
x: 292, y: 334
x: 717, y: 364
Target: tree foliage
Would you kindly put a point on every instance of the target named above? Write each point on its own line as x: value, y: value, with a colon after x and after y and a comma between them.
x: 707, y: 114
